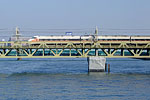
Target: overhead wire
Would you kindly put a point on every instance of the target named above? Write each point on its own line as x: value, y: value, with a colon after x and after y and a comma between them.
x: 54, y: 31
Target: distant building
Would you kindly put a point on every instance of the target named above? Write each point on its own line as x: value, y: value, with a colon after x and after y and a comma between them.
x: 68, y: 33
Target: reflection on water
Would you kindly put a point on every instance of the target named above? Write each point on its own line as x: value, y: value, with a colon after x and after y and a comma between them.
x: 68, y: 79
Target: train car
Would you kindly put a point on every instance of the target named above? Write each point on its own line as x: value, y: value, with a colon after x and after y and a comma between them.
x: 140, y: 38
x: 80, y: 38
x: 90, y: 38
x: 55, y: 38
x: 114, y: 38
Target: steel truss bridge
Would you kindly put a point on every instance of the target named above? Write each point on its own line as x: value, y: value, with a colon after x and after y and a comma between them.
x: 63, y: 49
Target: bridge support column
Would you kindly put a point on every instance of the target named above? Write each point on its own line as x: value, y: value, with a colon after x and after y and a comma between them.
x: 96, y: 64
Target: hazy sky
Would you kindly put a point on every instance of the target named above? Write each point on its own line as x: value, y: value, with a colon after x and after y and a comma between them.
x: 75, y: 14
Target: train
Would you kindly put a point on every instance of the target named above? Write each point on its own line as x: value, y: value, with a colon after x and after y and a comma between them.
x: 90, y: 38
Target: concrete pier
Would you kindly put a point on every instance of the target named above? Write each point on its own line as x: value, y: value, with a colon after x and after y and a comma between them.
x: 96, y: 64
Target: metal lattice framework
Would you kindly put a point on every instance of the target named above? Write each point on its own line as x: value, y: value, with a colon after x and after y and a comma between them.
x: 50, y: 49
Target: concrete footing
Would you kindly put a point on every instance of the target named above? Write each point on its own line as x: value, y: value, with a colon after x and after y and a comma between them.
x: 96, y: 64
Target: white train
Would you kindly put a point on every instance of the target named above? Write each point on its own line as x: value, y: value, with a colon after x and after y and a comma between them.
x: 90, y: 38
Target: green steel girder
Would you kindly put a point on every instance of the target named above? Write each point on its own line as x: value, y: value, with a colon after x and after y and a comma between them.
x: 108, y: 49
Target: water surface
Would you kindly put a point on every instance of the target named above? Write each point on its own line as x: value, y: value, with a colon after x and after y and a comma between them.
x: 68, y: 79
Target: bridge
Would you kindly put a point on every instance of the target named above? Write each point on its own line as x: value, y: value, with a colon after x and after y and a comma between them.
x: 94, y: 50
x: 53, y: 49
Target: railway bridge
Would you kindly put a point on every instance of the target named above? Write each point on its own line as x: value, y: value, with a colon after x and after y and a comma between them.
x: 53, y: 49
x: 96, y: 51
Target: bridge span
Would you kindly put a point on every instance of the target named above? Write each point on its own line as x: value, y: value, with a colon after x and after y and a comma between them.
x: 96, y: 49
x: 53, y: 49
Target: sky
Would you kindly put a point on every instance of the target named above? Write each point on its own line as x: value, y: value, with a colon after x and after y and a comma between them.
x: 75, y: 14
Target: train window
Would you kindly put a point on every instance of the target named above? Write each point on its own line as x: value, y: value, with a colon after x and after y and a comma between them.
x: 41, y: 39
x: 34, y: 37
